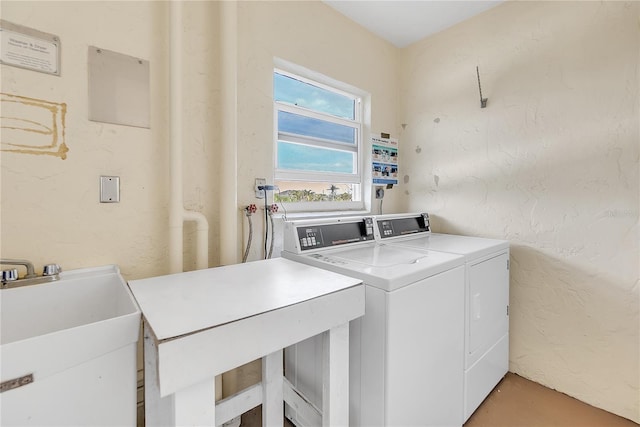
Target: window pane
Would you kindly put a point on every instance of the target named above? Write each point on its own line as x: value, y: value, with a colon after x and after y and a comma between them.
x: 299, y: 191
x: 307, y: 126
x: 305, y: 95
x: 307, y: 158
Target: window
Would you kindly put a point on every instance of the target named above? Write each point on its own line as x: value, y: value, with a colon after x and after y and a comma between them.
x: 318, y: 144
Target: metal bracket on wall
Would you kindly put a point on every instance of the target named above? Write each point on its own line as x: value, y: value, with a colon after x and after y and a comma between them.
x: 483, y: 101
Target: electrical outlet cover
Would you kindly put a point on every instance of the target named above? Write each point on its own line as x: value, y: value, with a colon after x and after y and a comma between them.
x: 260, y: 182
x: 109, y: 189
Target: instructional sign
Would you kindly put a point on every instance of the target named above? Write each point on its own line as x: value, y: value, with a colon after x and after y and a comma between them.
x: 28, y: 48
x: 384, y: 158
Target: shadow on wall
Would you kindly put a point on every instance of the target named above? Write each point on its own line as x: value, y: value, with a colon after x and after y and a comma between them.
x: 537, y: 165
x: 565, y: 320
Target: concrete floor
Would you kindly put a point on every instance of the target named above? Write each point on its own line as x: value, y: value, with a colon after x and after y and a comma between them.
x: 518, y: 402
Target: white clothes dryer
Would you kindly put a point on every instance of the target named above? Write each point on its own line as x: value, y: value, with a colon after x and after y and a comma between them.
x: 486, y: 358
x: 406, y: 352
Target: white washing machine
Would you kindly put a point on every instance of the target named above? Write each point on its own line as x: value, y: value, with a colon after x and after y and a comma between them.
x: 406, y: 353
x: 486, y: 356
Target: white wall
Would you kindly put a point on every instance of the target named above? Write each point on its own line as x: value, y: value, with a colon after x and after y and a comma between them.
x: 50, y: 209
x: 552, y: 165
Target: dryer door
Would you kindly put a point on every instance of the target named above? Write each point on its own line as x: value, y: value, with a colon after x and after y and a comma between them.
x: 487, y: 305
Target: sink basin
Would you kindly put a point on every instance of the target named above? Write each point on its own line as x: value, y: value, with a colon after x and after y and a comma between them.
x: 71, y: 335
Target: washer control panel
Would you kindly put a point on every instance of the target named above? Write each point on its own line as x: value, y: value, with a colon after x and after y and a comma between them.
x: 402, y: 226
x: 319, y: 236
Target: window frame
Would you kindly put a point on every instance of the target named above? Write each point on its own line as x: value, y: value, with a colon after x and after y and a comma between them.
x: 358, y: 177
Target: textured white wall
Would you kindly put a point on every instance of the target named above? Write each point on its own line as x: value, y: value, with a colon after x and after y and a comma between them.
x: 552, y: 165
x: 50, y: 207
x: 202, y: 118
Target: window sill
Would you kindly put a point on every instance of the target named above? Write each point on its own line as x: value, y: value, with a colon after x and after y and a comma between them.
x: 319, y: 214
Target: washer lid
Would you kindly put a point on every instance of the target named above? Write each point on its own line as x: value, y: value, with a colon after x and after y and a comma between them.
x: 471, y: 247
x: 388, y: 267
x: 382, y: 255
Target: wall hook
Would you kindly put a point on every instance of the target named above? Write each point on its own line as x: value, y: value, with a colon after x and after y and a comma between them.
x: 483, y: 101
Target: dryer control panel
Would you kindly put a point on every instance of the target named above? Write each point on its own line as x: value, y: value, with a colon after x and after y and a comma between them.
x: 394, y: 226
x: 305, y: 236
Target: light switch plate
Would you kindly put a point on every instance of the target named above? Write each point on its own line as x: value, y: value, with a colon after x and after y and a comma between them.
x: 109, y: 189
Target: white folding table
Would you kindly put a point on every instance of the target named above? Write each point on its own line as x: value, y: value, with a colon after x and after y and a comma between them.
x: 202, y: 323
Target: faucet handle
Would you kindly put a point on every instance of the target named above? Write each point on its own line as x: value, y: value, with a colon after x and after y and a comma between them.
x: 51, y: 270
x: 9, y: 275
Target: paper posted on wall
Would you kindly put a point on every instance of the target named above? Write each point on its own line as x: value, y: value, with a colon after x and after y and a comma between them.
x: 384, y: 157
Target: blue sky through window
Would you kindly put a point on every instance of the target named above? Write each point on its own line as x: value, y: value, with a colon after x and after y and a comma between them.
x: 301, y: 125
x: 306, y: 157
x: 301, y: 157
x: 296, y: 92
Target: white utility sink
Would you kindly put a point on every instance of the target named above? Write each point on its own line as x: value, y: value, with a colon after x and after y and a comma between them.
x: 77, y: 337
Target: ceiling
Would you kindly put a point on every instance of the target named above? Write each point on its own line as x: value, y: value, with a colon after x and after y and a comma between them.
x: 404, y: 22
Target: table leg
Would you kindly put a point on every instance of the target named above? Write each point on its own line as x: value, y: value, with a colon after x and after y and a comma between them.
x: 335, y: 383
x: 192, y: 406
x: 158, y: 410
x: 272, y: 390
x: 195, y: 405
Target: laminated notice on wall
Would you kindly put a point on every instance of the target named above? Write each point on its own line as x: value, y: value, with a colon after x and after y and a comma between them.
x: 30, y: 49
x: 384, y: 158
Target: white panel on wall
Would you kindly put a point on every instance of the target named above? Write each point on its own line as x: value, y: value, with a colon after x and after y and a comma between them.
x: 118, y: 88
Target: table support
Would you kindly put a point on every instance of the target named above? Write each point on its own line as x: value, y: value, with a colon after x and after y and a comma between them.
x: 191, y: 406
x: 195, y: 405
x: 335, y: 381
x: 272, y: 390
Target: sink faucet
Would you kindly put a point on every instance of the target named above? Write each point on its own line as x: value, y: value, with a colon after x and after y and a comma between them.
x: 27, y: 264
x: 10, y: 278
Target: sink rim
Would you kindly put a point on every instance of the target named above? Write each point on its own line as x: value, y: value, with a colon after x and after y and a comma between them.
x: 107, y: 274
x: 56, y: 350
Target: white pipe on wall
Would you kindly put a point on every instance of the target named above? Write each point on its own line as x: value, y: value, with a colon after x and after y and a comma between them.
x: 229, y: 212
x: 202, y: 238
x: 177, y: 213
x: 175, y: 117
